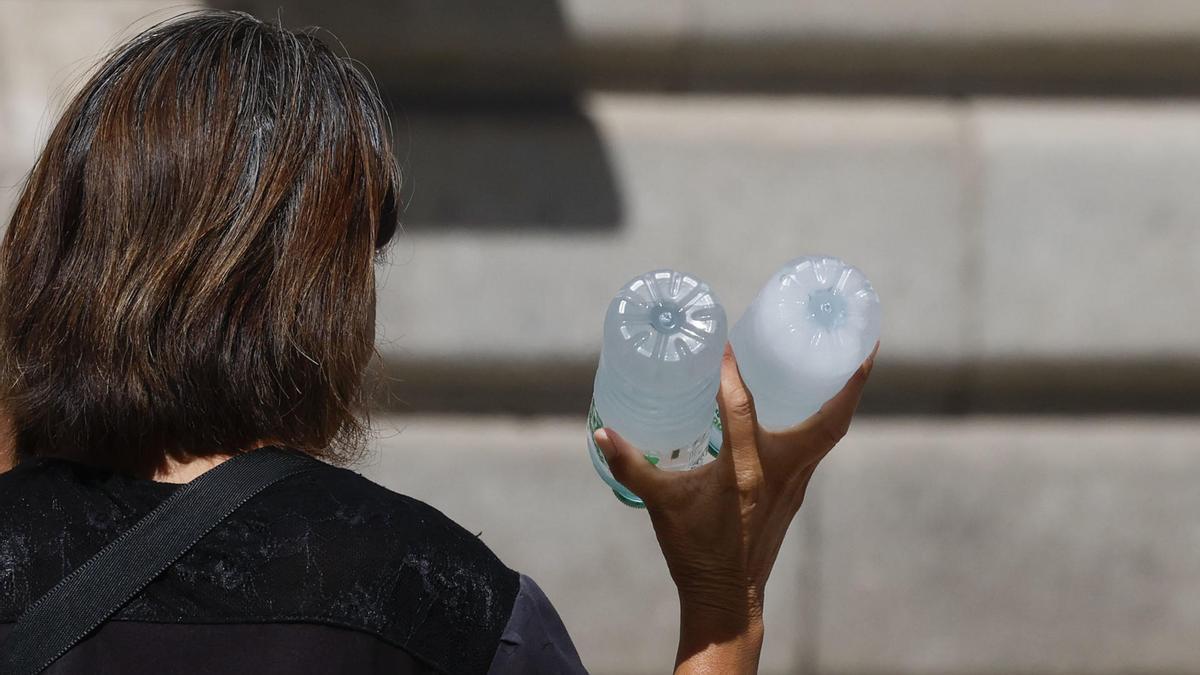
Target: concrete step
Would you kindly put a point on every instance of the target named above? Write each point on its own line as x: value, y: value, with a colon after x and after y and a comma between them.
x: 872, y: 45
x: 727, y: 189
x: 1027, y: 254
x: 979, y: 545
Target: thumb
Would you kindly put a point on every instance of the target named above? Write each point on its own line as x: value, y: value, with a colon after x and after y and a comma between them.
x: 628, y: 464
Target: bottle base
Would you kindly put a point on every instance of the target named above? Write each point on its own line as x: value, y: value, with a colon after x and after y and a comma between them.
x: 633, y: 502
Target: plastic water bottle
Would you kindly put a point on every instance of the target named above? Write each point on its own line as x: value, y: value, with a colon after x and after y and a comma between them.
x: 811, y: 326
x: 660, y: 367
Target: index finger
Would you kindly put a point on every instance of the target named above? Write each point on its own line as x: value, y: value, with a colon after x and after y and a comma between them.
x: 736, y: 405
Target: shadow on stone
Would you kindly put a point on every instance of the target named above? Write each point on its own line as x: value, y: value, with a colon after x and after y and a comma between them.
x: 485, y: 140
x: 897, y: 388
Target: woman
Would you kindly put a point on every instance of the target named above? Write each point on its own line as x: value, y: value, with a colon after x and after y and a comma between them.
x: 188, y: 277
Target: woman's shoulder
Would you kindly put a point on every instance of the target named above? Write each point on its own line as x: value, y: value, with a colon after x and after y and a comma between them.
x: 533, y: 638
x: 332, y: 546
x: 345, y: 506
x: 359, y: 522
x: 326, y: 546
x: 332, y: 510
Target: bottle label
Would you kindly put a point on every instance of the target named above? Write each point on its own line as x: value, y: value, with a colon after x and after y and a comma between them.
x: 716, y: 434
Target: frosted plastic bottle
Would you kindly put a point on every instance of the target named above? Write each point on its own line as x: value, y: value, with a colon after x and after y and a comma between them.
x: 660, y: 367
x: 811, y: 326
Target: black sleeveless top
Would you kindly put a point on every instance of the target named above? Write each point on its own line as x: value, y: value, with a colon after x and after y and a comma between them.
x: 324, y: 572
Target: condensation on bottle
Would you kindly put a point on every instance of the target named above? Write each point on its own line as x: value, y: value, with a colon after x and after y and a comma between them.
x: 659, y: 370
x: 808, y: 330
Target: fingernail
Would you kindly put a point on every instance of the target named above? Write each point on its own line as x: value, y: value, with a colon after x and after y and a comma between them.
x: 870, y: 362
x: 604, y: 443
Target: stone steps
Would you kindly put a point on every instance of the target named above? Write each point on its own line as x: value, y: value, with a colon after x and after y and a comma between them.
x: 1019, y: 247
x: 981, y: 545
x: 861, y: 45
x: 525, y: 212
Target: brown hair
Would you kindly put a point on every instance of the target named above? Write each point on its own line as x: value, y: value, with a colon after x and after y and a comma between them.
x: 189, y: 269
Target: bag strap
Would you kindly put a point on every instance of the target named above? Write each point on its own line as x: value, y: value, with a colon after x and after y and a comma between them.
x: 98, y: 589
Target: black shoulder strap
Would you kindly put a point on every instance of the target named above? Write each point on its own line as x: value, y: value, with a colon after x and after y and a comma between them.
x: 96, y: 591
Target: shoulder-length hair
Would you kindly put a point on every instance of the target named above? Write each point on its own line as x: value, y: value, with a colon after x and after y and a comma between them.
x: 189, y: 268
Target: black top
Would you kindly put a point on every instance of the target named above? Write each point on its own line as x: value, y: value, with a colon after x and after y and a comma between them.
x: 322, y: 572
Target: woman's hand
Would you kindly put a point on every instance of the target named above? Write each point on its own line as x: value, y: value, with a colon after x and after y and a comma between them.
x: 720, y: 526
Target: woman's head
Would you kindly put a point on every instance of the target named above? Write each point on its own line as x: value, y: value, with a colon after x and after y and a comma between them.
x: 189, y: 269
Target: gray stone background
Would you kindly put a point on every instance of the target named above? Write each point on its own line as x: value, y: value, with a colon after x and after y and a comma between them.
x: 1020, y: 179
